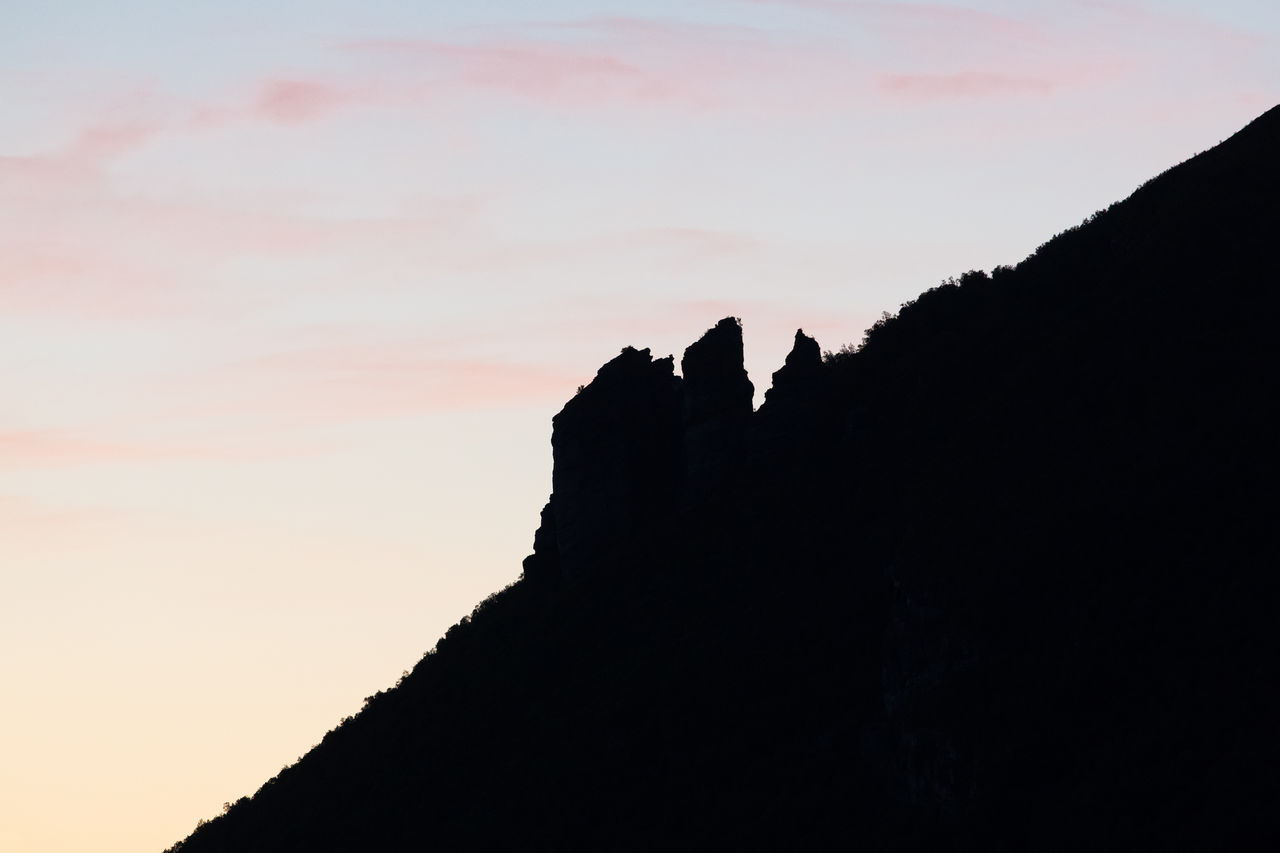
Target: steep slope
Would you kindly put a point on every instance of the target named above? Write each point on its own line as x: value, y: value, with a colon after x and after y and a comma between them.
x: 1002, y: 578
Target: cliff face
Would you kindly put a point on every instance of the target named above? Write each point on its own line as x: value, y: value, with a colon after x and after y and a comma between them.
x: 615, y: 447
x: 1003, y: 579
x: 639, y: 446
x: 717, y: 407
x: 798, y: 420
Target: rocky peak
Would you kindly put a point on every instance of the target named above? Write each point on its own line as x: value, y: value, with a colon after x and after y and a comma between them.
x: 795, y: 416
x: 798, y: 376
x: 716, y: 383
x: 616, y: 448
x: 639, y: 443
x: 717, y: 409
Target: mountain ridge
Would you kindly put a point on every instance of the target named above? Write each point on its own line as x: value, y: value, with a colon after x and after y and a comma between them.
x: 998, y: 578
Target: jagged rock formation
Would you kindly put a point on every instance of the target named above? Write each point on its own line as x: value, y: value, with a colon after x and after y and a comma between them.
x: 614, y: 446
x: 1003, y: 579
x: 797, y: 419
x: 638, y: 444
x: 799, y: 379
x: 717, y: 406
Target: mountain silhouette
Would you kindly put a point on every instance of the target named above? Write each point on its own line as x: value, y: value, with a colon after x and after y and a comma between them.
x: 1003, y: 576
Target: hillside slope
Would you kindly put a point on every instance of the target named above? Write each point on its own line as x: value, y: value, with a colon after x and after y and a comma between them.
x: 1004, y: 577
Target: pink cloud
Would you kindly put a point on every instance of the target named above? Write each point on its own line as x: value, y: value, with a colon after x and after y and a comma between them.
x: 350, y: 381
x: 74, y: 244
x: 621, y: 61
x: 609, y: 61
x: 51, y: 448
x: 545, y: 72
x: 1154, y: 20
x: 963, y: 84
x: 75, y: 168
x: 71, y: 242
x: 293, y: 100
x: 43, y: 447
x: 40, y: 449
x: 64, y: 275
x: 27, y: 525
x: 631, y: 62
x: 102, y: 140
x: 625, y: 29
x: 955, y: 19
x: 598, y: 63
x: 948, y: 52
x: 297, y: 101
x: 552, y: 75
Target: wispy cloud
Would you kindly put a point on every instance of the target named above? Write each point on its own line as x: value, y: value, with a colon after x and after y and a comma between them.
x: 42, y: 447
x: 606, y: 63
x: 1161, y: 20
x: 962, y: 84
x: 28, y: 526
x: 75, y: 243
x: 352, y: 381
x: 296, y: 101
x: 958, y: 20
x: 548, y: 72
x: 611, y: 62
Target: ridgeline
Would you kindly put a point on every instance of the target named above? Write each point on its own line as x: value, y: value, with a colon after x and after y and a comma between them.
x: 1004, y: 576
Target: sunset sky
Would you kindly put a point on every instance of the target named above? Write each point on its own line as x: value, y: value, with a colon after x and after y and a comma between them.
x: 289, y: 294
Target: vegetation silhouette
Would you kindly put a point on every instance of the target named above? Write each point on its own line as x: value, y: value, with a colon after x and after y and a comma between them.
x: 1002, y: 576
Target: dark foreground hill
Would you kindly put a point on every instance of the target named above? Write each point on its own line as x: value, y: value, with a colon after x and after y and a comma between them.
x: 1003, y: 578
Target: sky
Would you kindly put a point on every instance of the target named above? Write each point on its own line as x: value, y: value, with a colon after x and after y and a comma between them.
x: 289, y: 295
